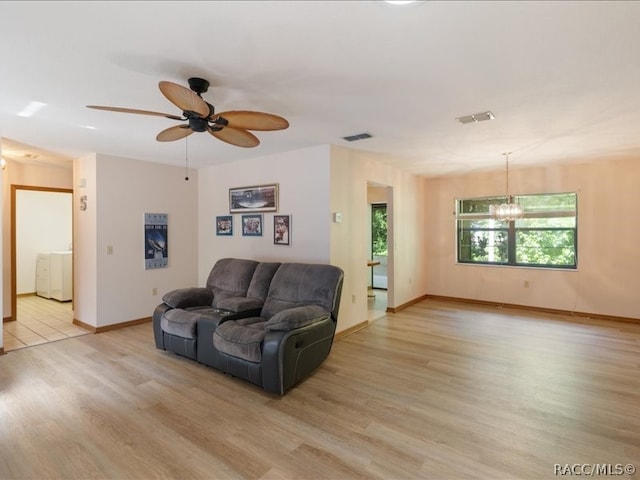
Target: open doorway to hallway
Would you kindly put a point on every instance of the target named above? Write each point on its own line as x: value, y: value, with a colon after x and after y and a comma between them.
x: 379, y: 253
x: 379, y: 246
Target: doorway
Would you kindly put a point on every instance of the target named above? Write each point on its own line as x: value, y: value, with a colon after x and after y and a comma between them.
x: 379, y: 249
x: 380, y: 255
x: 41, y: 267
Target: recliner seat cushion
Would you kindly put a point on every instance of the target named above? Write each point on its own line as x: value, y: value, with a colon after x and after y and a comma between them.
x: 181, y: 323
x: 241, y: 338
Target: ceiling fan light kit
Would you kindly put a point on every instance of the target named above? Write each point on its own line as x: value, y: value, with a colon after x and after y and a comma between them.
x: 231, y: 126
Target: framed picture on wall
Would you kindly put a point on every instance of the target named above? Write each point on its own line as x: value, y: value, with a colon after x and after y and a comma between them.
x: 261, y: 198
x: 282, y: 229
x: 224, y: 225
x: 156, y: 248
x: 251, y: 225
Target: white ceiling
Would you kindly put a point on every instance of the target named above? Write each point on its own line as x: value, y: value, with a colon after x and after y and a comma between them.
x: 561, y: 78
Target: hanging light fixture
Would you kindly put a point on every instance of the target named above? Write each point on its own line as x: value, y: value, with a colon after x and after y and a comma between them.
x: 506, y: 211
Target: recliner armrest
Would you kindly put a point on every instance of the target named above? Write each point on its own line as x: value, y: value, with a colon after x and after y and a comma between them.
x: 157, y: 327
x: 288, y: 357
x: 188, y: 297
x: 296, y: 317
x: 239, y: 304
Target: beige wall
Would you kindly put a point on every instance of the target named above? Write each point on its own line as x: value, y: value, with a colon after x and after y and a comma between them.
x: 85, y: 231
x: 2, y: 243
x: 303, y: 182
x: 605, y: 282
x: 376, y: 194
x: 351, y: 172
x: 115, y: 288
x: 315, y: 183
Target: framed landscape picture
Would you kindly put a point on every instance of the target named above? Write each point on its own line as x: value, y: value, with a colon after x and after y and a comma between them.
x: 224, y: 225
x: 282, y: 229
x: 260, y: 198
x: 251, y: 225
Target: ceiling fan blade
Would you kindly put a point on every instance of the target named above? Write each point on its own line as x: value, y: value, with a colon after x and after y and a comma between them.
x: 184, y: 98
x: 254, y: 120
x: 236, y: 136
x: 174, y: 133
x: 133, y: 110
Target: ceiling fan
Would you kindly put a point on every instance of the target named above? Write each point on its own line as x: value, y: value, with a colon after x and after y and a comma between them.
x: 232, y: 126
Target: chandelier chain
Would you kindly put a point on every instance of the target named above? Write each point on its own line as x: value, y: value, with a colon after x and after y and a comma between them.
x: 507, y: 211
x: 506, y: 155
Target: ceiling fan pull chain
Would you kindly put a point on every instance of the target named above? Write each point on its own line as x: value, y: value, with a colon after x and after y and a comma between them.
x: 186, y: 158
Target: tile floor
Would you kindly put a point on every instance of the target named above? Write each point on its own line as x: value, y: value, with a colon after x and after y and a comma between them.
x: 40, y: 320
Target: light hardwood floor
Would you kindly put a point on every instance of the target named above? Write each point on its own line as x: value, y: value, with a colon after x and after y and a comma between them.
x: 437, y: 391
x: 40, y: 320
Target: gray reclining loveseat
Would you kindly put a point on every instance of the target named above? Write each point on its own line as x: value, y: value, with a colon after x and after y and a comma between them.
x: 271, y: 324
x: 235, y: 287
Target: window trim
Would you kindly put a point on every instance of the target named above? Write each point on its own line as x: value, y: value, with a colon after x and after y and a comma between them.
x: 511, y: 231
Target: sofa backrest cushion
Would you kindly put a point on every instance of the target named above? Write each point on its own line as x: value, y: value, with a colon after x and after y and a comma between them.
x: 230, y: 277
x: 261, y: 281
x: 299, y: 284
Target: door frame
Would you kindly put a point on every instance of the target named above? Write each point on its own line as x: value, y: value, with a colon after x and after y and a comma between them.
x: 375, y: 205
x: 14, y: 248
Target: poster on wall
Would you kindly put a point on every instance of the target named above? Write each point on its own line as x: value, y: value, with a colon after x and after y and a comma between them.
x: 156, y: 252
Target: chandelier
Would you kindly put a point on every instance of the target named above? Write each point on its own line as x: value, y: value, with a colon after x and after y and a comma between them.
x: 506, y: 212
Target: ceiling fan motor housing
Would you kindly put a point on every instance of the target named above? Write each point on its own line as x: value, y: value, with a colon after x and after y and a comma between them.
x: 198, y: 124
x: 198, y: 85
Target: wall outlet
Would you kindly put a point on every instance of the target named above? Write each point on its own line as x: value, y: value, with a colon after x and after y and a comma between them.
x: 154, y: 291
x: 526, y: 284
x: 109, y: 249
x: 353, y: 299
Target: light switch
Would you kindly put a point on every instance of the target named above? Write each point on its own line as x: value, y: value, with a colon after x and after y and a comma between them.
x: 109, y: 249
x: 337, y: 217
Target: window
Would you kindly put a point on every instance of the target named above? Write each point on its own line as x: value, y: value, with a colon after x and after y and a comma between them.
x: 546, y: 236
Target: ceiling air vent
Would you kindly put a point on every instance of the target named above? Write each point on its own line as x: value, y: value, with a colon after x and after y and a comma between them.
x: 476, y: 117
x: 360, y: 136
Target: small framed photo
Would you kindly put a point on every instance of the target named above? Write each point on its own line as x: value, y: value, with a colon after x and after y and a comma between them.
x: 282, y: 229
x: 224, y: 225
x: 251, y: 225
